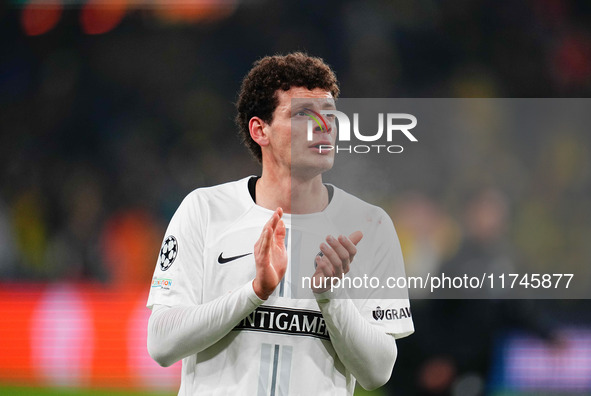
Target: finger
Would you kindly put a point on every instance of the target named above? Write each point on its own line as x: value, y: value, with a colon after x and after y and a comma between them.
x: 356, y: 237
x: 276, y: 217
x: 329, y: 253
x: 338, y: 247
x: 273, y: 221
x: 348, y: 246
x: 323, y: 267
x: 263, y: 242
x: 332, y: 258
x: 280, y: 231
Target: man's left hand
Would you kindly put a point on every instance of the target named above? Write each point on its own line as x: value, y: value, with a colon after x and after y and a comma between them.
x: 336, y: 258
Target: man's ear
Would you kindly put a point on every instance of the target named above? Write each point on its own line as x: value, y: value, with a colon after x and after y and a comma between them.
x: 258, y: 131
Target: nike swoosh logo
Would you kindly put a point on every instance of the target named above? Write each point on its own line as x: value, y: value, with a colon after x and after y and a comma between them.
x: 224, y: 260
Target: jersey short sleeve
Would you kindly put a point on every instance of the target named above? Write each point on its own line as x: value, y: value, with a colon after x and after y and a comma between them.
x: 179, y: 267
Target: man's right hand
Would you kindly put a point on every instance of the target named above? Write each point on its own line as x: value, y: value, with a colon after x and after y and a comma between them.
x: 270, y: 256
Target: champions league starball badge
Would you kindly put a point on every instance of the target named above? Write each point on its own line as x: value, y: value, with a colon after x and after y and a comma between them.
x: 168, y: 252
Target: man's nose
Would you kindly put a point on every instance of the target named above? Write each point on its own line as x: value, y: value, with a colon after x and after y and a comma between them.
x: 325, y: 125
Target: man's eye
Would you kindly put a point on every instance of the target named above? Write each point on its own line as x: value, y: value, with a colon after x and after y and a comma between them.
x: 301, y: 113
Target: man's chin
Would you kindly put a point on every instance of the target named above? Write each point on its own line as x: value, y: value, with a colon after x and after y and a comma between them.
x: 309, y: 171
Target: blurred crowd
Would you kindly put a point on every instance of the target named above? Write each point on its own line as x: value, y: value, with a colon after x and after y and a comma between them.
x: 103, y: 135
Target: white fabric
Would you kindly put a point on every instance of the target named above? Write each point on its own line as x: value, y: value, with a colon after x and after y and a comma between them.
x: 281, y: 347
x: 365, y: 349
x: 180, y: 331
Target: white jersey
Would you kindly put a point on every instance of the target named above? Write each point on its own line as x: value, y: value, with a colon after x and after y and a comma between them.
x: 283, y: 347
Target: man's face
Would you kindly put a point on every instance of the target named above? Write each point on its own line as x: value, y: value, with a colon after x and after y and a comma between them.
x: 289, y: 144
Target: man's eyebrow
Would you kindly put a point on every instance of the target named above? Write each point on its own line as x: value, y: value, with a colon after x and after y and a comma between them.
x: 304, y: 105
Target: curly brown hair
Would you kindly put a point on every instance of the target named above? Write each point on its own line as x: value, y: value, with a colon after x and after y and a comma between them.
x: 258, y: 94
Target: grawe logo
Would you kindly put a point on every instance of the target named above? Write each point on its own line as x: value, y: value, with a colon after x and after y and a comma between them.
x: 391, y: 314
x: 378, y: 313
x: 393, y: 125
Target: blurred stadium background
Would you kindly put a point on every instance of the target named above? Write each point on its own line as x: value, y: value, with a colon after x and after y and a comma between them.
x: 111, y: 111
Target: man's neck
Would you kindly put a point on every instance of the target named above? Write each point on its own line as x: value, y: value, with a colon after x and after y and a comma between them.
x: 294, y: 195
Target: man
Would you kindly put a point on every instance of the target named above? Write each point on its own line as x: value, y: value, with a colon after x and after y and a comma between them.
x: 221, y: 295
